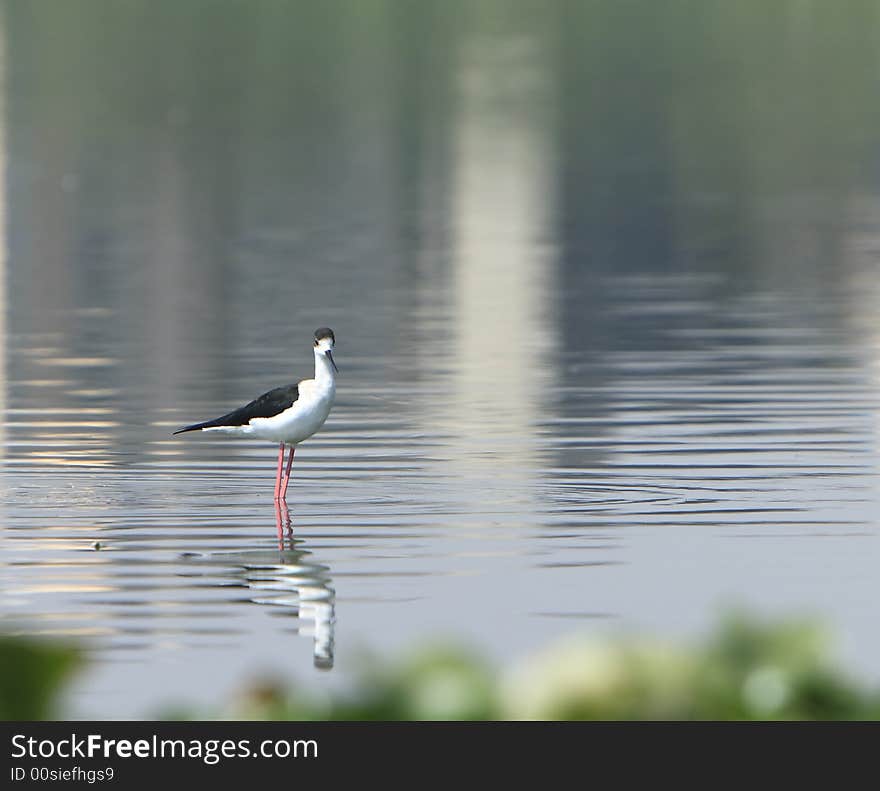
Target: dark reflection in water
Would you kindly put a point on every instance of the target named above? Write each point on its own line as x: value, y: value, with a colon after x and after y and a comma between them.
x: 288, y: 580
x: 603, y: 279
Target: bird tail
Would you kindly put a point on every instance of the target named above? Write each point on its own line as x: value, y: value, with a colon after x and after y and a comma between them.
x: 198, y: 426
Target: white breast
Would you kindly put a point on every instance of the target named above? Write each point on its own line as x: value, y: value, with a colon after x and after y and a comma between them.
x: 300, y: 420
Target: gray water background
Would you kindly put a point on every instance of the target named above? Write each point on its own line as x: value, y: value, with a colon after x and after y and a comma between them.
x: 603, y: 278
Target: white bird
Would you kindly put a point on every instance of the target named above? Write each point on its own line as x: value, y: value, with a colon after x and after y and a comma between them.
x: 287, y: 415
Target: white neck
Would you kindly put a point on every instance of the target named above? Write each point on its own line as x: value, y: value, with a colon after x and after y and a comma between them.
x: 324, y: 373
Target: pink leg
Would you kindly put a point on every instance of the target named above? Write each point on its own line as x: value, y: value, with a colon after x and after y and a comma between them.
x: 285, y: 513
x: 282, y: 522
x: 278, y: 474
x: 287, y: 473
x: 278, y: 523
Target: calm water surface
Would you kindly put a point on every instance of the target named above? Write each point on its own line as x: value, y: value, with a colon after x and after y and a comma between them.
x: 606, y: 364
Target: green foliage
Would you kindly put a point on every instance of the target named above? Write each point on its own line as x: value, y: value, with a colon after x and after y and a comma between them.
x: 31, y: 675
x: 745, y: 669
x: 437, y: 683
x: 753, y: 670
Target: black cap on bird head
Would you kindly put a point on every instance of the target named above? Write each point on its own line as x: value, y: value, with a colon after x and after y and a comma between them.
x: 326, y: 334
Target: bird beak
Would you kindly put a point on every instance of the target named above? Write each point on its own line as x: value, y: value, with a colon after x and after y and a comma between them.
x: 330, y: 357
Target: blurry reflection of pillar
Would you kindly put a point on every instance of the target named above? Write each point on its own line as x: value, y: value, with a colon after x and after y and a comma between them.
x: 503, y: 336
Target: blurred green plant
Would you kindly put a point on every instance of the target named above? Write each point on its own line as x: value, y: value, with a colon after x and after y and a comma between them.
x: 746, y: 669
x: 437, y: 682
x: 32, y: 673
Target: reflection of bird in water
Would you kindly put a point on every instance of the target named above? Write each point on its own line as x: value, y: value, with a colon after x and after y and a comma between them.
x: 288, y: 414
x: 287, y: 579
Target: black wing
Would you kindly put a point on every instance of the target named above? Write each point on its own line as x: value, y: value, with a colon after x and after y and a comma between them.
x: 267, y: 405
